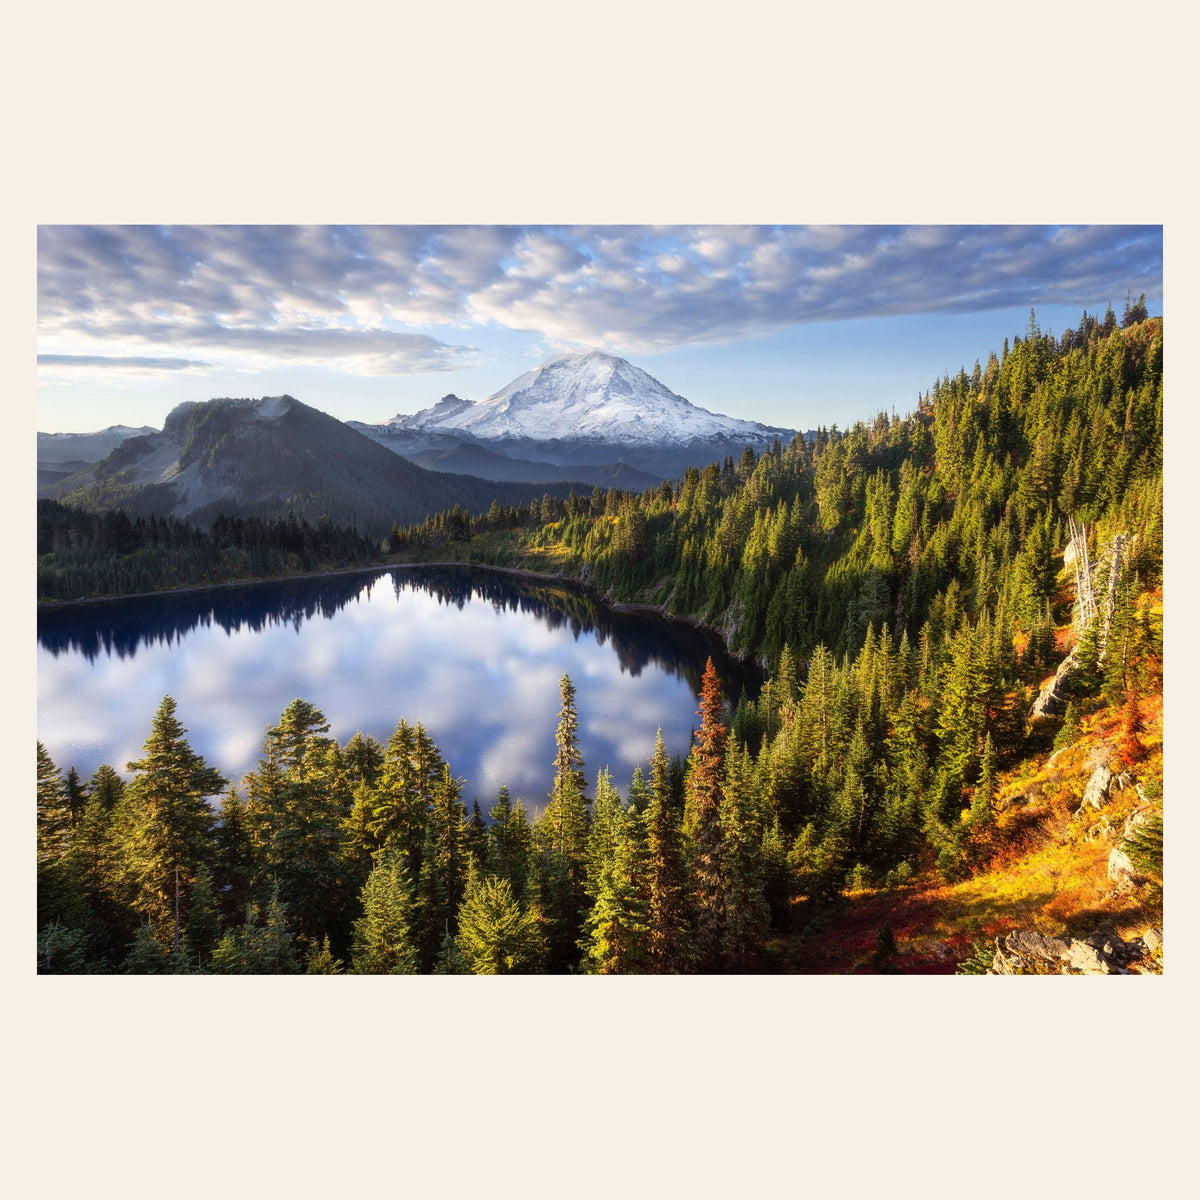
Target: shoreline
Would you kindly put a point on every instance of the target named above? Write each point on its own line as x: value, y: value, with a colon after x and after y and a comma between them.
x: 619, y: 606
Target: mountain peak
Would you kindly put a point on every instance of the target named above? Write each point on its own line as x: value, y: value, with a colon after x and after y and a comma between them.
x: 592, y: 396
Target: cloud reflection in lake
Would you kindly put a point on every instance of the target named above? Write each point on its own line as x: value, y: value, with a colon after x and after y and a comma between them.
x: 474, y: 655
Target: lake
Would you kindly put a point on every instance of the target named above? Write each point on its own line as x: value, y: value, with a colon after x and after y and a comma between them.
x: 474, y: 655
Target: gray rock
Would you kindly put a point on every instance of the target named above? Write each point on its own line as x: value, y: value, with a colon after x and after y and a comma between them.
x: 1121, y: 870
x: 1138, y: 817
x: 1087, y: 959
x: 1029, y: 944
x: 1098, y: 788
x: 1050, y: 697
x: 1152, y: 939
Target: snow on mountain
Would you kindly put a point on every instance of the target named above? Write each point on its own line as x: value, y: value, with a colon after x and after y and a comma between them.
x: 581, y: 397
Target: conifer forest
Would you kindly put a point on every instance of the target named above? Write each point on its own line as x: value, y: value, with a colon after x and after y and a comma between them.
x: 941, y: 602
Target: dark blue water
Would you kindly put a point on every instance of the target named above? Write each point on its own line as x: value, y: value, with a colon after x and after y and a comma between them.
x: 474, y: 655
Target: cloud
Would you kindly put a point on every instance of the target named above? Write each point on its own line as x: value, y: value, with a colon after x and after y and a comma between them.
x: 123, y: 362
x: 366, y: 299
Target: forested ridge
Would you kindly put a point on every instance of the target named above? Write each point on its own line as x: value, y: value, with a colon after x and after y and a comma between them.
x: 904, y: 583
x: 83, y: 553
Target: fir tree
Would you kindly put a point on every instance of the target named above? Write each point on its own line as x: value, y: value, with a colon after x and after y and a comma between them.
x: 383, y: 936
x: 702, y: 819
x: 163, y: 823
x: 744, y: 913
x: 494, y: 936
x: 509, y: 842
x: 320, y: 960
x: 53, y: 814
x: 669, y: 941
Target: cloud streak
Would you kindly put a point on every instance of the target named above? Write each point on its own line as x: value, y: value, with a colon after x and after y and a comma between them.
x: 122, y: 362
x: 373, y: 300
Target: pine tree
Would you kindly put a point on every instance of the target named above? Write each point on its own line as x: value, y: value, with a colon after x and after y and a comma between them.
x: 257, y: 948
x: 669, y: 940
x: 567, y: 811
x: 296, y: 808
x: 76, y: 794
x: 107, y: 786
x: 147, y: 955
x: 233, y: 856
x: 561, y: 833
x: 445, y: 864
x: 985, y: 790
x: 163, y: 823
x: 744, y: 913
x: 53, y: 814
x: 603, y: 833
x: 383, y: 936
x: 702, y: 819
x: 203, y: 916
x: 63, y: 950
x: 494, y: 936
x: 617, y: 941
x: 320, y: 960
x: 509, y: 842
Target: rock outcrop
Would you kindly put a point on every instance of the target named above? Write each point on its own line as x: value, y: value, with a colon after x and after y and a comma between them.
x: 1120, y: 867
x: 1097, y: 791
x: 1050, y: 697
x: 1027, y: 952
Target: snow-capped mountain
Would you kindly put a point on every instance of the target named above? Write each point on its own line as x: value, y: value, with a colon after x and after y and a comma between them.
x: 591, y: 397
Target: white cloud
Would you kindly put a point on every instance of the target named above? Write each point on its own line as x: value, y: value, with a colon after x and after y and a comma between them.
x: 364, y: 299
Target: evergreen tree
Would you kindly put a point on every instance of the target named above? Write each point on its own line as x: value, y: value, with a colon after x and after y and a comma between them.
x: 985, y: 790
x: 147, y: 955
x: 617, y: 941
x: 320, y: 960
x: 445, y: 864
x: 509, y: 842
x: 163, y: 823
x: 744, y: 913
x: 494, y: 936
x: 702, y: 819
x: 383, y: 937
x: 107, y: 786
x: 203, y: 916
x: 296, y: 808
x: 669, y: 940
x: 258, y: 948
x: 53, y: 814
x: 561, y: 834
x: 63, y: 950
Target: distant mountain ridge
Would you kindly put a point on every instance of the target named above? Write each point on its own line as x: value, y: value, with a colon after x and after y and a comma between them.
x: 85, y: 447
x: 62, y: 454
x: 267, y: 457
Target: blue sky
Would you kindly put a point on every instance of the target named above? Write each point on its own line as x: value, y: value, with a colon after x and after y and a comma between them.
x: 790, y: 325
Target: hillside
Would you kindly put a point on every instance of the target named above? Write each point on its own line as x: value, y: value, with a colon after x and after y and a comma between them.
x: 914, y: 585
x: 266, y: 458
